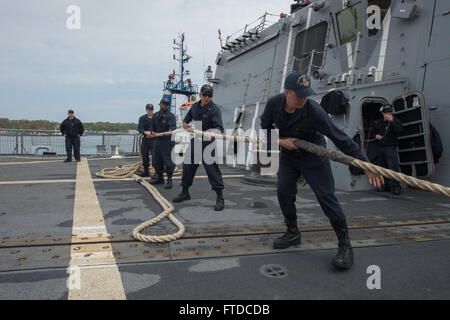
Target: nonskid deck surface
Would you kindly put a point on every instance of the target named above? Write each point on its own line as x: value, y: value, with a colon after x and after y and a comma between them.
x: 48, y: 225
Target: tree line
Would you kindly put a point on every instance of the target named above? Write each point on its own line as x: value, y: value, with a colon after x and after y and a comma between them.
x: 52, y: 125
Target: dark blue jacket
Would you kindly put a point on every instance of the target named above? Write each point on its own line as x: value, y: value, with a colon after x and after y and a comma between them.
x: 209, y: 115
x: 71, y: 128
x: 389, y: 130
x: 145, y: 124
x: 162, y: 122
x: 310, y: 123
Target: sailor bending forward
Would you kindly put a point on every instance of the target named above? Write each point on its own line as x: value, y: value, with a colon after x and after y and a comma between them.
x: 297, y: 117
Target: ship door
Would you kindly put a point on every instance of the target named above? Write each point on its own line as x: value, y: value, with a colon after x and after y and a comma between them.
x: 414, y: 145
x: 370, y: 108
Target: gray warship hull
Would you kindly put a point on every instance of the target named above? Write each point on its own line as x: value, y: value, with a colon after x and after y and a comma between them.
x: 404, y: 61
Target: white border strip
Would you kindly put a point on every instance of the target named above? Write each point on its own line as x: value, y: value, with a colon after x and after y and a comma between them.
x: 383, y: 47
x: 286, y: 60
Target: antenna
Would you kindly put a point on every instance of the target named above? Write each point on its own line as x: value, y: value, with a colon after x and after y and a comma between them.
x: 177, y: 84
x: 220, y: 39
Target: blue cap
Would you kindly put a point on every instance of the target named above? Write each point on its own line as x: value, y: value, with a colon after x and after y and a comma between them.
x: 149, y: 106
x: 206, y: 89
x: 386, y: 108
x: 164, y: 101
x: 300, y: 83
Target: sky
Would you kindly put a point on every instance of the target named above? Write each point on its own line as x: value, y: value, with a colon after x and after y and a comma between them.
x: 117, y: 61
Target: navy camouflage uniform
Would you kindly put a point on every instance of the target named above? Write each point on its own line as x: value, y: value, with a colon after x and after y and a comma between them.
x: 162, y: 146
x: 211, y: 118
x: 310, y: 123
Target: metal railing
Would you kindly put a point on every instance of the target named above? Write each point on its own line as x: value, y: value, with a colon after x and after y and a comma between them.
x: 255, y: 26
x: 36, y: 142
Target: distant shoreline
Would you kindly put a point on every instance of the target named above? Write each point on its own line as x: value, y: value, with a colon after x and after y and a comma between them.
x: 6, y: 123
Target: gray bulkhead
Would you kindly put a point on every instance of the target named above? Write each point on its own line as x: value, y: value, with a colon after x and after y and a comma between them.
x: 410, y: 52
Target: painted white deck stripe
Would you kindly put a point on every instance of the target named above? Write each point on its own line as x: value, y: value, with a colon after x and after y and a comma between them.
x: 61, y: 161
x: 89, y: 228
x: 93, y: 283
x: 37, y: 181
x: 28, y: 162
x: 102, y: 180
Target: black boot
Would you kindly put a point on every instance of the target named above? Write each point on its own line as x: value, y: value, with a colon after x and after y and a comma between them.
x: 184, y: 195
x: 158, y: 180
x: 290, y: 238
x: 169, y: 182
x: 397, y: 191
x: 344, y: 256
x: 220, y: 203
x: 146, y: 173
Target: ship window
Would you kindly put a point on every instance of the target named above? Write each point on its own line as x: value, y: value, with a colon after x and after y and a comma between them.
x: 384, y: 6
x: 307, y: 41
x: 349, y: 23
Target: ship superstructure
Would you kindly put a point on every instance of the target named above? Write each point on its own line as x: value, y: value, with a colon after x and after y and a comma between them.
x: 374, y: 51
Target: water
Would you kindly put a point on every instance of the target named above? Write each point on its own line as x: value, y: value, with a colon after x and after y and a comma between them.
x: 53, y: 143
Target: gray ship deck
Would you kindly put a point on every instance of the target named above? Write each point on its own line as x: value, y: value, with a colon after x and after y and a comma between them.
x: 222, y: 253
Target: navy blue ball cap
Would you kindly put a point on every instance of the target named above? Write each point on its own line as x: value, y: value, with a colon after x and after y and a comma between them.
x: 206, y: 89
x: 386, y: 108
x: 70, y: 111
x: 300, y: 83
x: 149, y: 107
x: 164, y: 101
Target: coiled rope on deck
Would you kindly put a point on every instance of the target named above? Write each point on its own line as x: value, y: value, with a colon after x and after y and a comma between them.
x: 130, y: 171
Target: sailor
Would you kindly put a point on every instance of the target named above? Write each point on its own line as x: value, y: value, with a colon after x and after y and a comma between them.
x: 298, y: 117
x: 386, y: 133
x: 72, y: 129
x: 210, y: 116
x: 145, y: 127
x: 163, y: 121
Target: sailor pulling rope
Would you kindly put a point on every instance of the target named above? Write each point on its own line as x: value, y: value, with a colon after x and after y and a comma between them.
x: 305, y: 124
x: 131, y: 169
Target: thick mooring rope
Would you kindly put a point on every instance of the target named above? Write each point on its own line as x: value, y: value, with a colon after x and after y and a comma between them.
x: 131, y: 169
x: 342, y: 158
x: 167, y: 212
